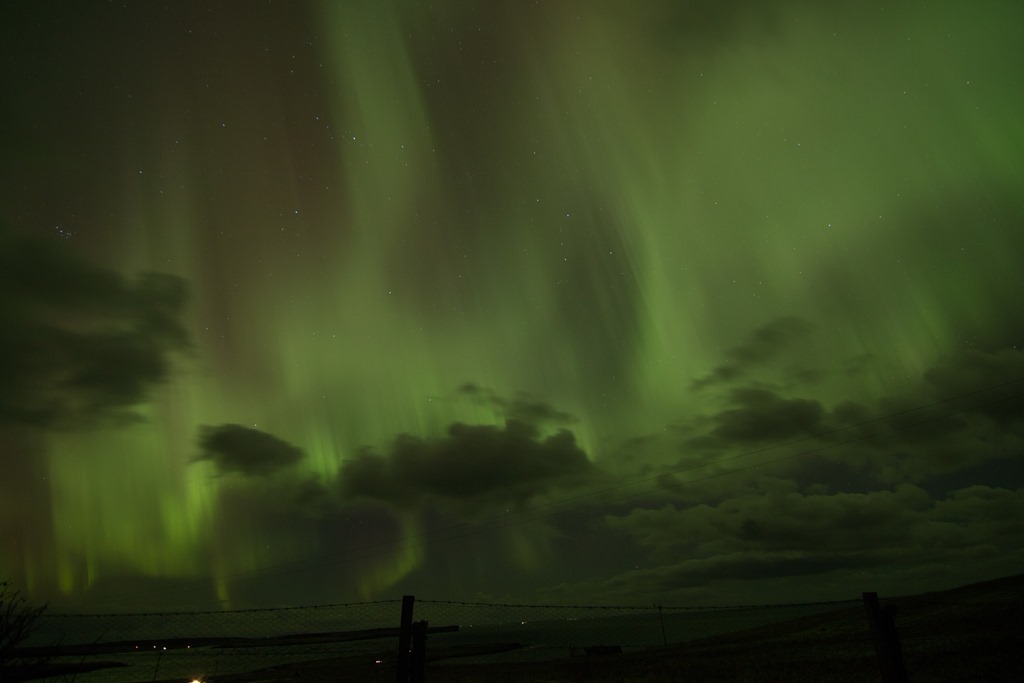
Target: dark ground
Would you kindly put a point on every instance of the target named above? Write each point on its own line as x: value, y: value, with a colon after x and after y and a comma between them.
x: 972, y: 633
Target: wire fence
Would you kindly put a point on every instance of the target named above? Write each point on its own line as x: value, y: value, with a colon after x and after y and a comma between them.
x: 470, y: 641
x: 224, y: 645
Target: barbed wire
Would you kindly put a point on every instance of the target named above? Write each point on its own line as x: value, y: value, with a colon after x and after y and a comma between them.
x: 462, y: 603
x: 645, y: 608
x: 187, y: 613
x: 235, y: 642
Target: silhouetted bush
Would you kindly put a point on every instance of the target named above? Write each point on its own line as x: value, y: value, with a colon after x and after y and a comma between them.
x: 18, y: 618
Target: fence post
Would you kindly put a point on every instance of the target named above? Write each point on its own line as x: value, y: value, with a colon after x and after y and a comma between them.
x: 404, y: 640
x: 661, y: 617
x: 886, y: 640
x: 419, y: 652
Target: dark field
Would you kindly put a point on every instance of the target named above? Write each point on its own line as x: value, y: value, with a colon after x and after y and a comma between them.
x: 971, y: 633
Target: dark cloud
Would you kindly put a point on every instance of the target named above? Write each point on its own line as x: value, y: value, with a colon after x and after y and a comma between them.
x: 752, y: 566
x: 80, y: 342
x: 822, y: 472
x: 234, y: 448
x: 975, y: 369
x: 992, y: 380
x: 472, y: 389
x: 764, y: 344
x: 762, y: 415
x: 1004, y: 469
x: 532, y: 411
x: 766, y: 341
x: 522, y: 407
x: 313, y: 546
x: 849, y: 413
x: 959, y: 423
x: 928, y: 477
x: 967, y: 410
x: 758, y: 536
x: 474, y: 465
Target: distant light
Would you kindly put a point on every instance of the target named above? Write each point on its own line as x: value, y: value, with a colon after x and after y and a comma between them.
x: 376, y: 661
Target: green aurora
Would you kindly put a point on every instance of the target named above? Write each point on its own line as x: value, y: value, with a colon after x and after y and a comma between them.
x: 432, y: 272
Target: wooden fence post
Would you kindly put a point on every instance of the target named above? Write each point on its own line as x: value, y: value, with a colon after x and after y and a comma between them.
x: 419, y: 652
x: 404, y: 640
x: 887, y: 642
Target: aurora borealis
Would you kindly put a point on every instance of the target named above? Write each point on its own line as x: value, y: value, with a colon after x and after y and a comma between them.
x: 552, y: 301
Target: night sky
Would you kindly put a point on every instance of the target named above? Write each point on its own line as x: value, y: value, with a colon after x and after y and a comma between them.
x: 580, y: 301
